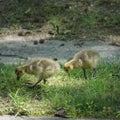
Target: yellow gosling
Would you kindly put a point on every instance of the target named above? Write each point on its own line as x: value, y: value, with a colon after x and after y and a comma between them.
x: 43, y: 68
x: 84, y: 59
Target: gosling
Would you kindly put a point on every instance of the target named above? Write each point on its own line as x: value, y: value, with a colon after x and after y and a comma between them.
x: 43, y: 68
x: 84, y: 59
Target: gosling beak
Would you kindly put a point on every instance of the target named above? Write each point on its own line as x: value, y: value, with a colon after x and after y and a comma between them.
x: 65, y: 69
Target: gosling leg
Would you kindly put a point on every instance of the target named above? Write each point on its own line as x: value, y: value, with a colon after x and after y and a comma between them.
x: 94, y: 72
x: 45, y: 81
x: 84, y: 71
x: 39, y: 80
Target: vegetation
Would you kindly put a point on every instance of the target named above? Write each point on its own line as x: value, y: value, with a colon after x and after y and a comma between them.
x: 67, y: 19
x: 94, y: 97
x: 71, y: 19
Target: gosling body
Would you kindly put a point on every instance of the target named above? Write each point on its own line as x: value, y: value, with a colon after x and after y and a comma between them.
x: 43, y: 68
x: 84, y: 59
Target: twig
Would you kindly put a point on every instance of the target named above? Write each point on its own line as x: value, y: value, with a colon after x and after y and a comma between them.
x: 117, y: 75
x: 9, y: 55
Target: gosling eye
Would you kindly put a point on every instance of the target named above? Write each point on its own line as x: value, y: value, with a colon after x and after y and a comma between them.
x: 20, y: 72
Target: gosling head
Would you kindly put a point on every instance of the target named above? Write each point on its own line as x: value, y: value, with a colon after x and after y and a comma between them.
x: 68, y: 67
x: 19, y: 72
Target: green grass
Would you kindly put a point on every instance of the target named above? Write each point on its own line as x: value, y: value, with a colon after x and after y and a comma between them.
x: 88, y: 19
x: 95, y: 97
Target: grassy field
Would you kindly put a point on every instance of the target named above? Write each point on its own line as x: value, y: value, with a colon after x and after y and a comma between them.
x: 95, y: 97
